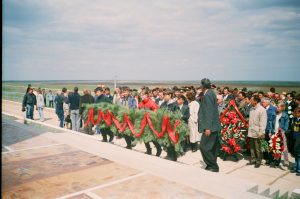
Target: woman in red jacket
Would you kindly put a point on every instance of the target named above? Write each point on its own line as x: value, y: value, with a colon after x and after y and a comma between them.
x: 148, y: 103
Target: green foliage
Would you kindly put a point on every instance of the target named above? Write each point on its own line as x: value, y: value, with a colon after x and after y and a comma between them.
x: 136, y: 116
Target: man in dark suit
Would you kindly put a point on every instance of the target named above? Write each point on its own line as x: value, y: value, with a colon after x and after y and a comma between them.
x: 209, y: 125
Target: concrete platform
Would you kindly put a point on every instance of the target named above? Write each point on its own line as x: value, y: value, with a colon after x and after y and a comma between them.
x: 36, y: 166
x: 233, y: 181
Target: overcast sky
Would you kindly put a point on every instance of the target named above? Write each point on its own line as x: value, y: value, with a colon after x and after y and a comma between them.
x: 151, y: 40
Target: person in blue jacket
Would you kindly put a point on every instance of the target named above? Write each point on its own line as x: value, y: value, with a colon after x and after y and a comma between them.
x: 280, y: 123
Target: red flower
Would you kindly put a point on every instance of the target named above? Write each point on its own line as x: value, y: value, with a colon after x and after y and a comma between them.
x: 227, y: 149
x: 232, y: 142
x: 234, y: 120
x: 225, y: 120
x: 231, y: 115
x: 237, y: 148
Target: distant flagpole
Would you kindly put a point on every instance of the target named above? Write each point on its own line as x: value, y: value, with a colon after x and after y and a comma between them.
x: 115, y: 81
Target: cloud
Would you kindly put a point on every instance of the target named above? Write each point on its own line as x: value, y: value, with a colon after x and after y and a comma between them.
x: 168, y: 39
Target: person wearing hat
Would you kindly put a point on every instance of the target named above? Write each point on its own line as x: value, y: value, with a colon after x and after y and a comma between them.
x: 210, y: 126
x: 101, y: 98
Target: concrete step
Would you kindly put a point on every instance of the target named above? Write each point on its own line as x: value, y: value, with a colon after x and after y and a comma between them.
x: 295, y: 194
x: 269, y: 192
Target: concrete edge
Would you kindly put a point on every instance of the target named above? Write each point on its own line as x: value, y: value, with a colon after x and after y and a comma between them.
x: 9, y: 101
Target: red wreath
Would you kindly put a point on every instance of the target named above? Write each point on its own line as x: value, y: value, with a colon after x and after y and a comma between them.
x: 110, y: 119
x: 233, y: 123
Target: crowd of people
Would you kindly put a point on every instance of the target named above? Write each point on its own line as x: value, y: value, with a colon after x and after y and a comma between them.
x: 200, y: 107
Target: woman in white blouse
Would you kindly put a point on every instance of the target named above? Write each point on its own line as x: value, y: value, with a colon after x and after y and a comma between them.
x: 193, y: 120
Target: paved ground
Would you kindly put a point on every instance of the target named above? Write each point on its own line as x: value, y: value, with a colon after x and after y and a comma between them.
x: 35, y: 166
x: 58, y: 164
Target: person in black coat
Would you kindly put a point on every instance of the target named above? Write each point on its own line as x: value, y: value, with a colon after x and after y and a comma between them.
x: 209, y: 125
x: 29, y: 101
x: 87, y: 98
x: 101, y: 98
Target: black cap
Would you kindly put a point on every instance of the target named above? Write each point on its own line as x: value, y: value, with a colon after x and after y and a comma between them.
x: 107, y: 89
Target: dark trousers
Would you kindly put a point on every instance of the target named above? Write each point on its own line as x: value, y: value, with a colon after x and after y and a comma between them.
x: 128, y: 140
x: 147, y: 144
x: 266, y: 155
x: 255, y: 150
x: 51, y: 103
x: 105, y: 132
x: 171, y: 153
x: 209, y: 148
x: 290, y: 142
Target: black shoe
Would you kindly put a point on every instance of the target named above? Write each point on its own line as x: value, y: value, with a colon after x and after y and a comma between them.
x: 250, y: 163
x: 267, y: 162
x: 133, y: 144
x: 110, y: 139
x: 212, y: 169
x: 158, y: 152
x: 257, y: 165
x: 103, y: 140
x: 171, y: 158
x: 297, y: 174
x: 272, y: 165
x: 149, y: 152
x: 128, y: 147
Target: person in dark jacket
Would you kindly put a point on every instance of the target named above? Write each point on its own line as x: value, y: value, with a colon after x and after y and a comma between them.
x: 87, y: 98
x: 29, y: 101
x: 185, y: 115
x: 74, y: 99
x: 246, y: 109
x: 210, y: 126
x: 290, y: 106
x: 108, y: 95
x: 296, y: 136
x: 148, y: 103
x: 172, y: 106
x: 59, y: 107
x: 101, y: 98
x: 169, y: 103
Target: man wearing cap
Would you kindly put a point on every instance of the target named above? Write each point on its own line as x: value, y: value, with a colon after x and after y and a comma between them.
x: 209, y: 125
x: 101, y: 98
